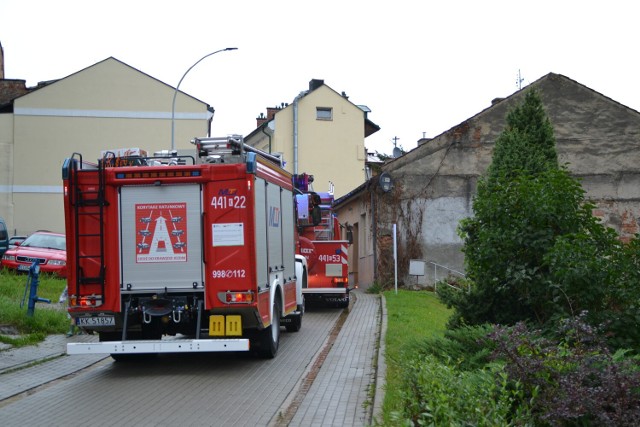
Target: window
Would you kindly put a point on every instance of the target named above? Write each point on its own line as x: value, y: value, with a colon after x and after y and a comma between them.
x: 324, y: 113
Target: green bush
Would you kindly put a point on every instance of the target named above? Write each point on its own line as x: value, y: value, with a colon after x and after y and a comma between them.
x: 571, y: 376
x: 375, y: 288
x: 439, y: 394
x: 465, y: 347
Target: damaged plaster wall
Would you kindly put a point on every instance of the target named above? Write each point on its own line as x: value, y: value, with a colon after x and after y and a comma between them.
x: 596, y: 137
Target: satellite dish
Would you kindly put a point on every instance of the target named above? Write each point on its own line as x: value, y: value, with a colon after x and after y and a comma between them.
x: 396, y: 152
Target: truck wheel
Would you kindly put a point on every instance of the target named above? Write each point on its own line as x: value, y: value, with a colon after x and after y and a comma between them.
x: 345, y: 302
x: 270, y: 337
x: 296, y: 319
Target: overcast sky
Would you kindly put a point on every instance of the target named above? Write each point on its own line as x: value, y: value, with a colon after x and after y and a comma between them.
x: 420, y: 66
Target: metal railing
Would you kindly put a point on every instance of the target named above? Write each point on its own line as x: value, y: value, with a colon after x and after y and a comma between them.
x: 447, y: 269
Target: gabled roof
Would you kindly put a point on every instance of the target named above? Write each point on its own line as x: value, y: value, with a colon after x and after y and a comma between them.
x: 550, y: 80
x: 369, y: 127
x: 499, y: 103
x: 44, y: 84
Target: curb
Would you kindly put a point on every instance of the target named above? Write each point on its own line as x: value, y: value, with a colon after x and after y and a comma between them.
x: 381, y: 371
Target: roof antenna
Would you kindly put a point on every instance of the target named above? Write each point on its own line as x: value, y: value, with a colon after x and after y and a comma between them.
x: 397, y: 152
x: 519, y: 80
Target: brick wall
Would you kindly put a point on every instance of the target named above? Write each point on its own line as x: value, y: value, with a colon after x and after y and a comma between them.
x: 11, y: 89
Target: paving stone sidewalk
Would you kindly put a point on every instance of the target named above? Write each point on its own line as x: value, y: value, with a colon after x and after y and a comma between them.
x: 15, y: 379
x: 348, y: 389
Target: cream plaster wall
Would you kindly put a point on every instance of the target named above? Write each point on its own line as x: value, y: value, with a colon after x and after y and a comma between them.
x: 330, y: 150
x: 6, y: 169
x: 106, y: 106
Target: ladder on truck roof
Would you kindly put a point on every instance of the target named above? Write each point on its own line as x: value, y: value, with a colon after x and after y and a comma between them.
x: 229, y: 149
x: 85, y: 204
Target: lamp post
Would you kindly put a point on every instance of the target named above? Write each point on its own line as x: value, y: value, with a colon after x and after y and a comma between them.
x: 173, y: 105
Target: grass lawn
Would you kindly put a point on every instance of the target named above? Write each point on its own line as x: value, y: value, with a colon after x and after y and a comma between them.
x: 47, y: 318
x: 411, y: 316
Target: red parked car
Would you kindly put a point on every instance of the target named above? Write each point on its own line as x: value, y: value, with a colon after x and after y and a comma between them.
x: 48, y: 248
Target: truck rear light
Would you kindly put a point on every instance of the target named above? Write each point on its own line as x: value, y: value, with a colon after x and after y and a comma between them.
x: 87, y: 301
x: 236, y: 297
x: 340, y: 281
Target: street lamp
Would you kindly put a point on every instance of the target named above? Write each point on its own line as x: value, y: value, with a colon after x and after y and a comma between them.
x: 173, y: 105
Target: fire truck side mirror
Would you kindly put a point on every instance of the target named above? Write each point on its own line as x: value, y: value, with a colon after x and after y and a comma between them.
x: 350, y: 235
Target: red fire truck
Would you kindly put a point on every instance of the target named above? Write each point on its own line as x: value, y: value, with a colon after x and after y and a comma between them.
x: 182, y: 253
x: 321, y: 244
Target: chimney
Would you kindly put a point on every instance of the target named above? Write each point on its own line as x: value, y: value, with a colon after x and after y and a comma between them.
x: 11, y: 89
x: 271, y: 113
x: 315, y: 84
x: 261, y: 120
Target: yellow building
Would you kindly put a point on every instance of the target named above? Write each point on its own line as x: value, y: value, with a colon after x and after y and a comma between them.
x: 320, y: 133
x: 108, y: 105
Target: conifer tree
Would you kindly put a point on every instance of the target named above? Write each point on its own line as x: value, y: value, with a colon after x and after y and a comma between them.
x: 523, y: 205
x: 527, y: 145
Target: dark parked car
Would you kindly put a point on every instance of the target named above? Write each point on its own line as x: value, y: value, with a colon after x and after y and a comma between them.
x: 4, y: 237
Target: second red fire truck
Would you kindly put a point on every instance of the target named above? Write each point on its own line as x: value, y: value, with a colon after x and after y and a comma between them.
x: 321, y: 243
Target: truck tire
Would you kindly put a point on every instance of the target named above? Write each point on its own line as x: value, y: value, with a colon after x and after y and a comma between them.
x: 345, y: 302
x: 270, y: 337
x: 296, y: 319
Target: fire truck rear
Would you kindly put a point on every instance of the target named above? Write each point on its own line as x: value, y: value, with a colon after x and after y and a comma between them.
x: 321, y: 243
x: 182, y: 253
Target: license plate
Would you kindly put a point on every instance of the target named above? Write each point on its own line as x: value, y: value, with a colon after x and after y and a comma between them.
x: 23, y: 267
x: 96, y: 321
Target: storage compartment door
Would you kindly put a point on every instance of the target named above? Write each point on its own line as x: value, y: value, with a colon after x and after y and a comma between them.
x: 161, y: 238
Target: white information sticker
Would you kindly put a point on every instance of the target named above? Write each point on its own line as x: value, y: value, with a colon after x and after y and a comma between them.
x: 230, y: 234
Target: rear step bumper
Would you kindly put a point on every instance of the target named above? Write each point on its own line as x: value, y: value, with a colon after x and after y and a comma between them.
x: 325, y: 290
x: 158, y: 346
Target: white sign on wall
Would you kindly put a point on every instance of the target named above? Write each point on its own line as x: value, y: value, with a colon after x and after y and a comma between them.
x: 417, y: 267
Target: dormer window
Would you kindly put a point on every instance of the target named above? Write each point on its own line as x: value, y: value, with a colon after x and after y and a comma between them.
x: 324, y: 113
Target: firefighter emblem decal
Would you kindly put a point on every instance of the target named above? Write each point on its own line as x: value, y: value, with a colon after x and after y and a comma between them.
x: 161, y: 232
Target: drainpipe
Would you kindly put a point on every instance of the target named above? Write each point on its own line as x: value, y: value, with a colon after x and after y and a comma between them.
x: 375, y: 235
x: 295, y: 132
x: 262, y: 128
x: 295, y: 136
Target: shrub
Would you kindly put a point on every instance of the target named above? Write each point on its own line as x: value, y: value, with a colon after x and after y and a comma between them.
x: 573, y: 378
x: 437, y: 393
x: 466, y: 347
